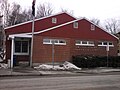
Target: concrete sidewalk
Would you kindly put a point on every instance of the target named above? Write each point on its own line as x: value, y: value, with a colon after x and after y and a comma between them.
x: 34, y: 72
x: 19, y: 72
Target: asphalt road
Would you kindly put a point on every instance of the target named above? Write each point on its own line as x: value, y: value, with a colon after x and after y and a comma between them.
x: 93, y: 82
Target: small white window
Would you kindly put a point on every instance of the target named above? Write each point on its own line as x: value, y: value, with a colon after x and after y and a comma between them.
x: 75, y: 24
x: 54, y: 20
x: 55, y: 41
x: 84, y: 43
x: 46, y: 41
x: 92, y: 27
x: 105, y: 43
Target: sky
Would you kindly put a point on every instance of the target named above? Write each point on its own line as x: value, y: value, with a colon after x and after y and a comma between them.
x: 100, y: 9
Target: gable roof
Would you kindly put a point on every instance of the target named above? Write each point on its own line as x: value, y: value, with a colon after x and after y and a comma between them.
x: 73, y: 22
x: 61, y: 25
x: 49, y: 29
x: 39, y: 19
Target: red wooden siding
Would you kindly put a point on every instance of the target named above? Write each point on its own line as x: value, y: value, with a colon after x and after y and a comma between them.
x: 40, y: 24
x: 83, y: 32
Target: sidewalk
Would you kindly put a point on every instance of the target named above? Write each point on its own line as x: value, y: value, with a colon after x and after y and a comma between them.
x: 99, y: 70
x: 19, y: 72
x: 34, y: 72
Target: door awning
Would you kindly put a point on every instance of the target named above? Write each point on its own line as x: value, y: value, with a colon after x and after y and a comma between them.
x: 20, y: 36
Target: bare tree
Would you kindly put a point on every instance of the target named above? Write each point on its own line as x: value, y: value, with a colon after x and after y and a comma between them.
x: 44, y: 10
x: 67, y: 11
x: 5, y: 10
x: 95, y: 21
x: 27, y: 15
x: 15, y: 16
x: 112, y: 25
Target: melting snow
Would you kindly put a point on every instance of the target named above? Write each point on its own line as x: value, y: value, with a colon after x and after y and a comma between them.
x: 2, y: 65
x: 65, y: 66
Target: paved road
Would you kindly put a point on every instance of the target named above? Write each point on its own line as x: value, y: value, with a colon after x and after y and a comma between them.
x: 94, y: 82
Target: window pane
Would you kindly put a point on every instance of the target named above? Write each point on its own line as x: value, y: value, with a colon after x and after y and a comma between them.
x: 84, y: 42
x: 61, y: 41
x: 105, y: 43
x: 110, y: 43
x: 78, y: 42
x: 17, y: 46
x: 92, y: 27
x: 90, y: 42
x: 54, y: 20
x: 24, y: 46
x: 75, y: 24
x: 46, y: 40
x: 55, y: 41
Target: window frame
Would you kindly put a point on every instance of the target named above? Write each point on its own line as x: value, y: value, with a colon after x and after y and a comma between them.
x: 54, y: 20
x: 104, y: 45
x: 57, y: 41
x: 92, y: 27
x: 88, y: 43
x: 21, y: 51
x: 75, y: 25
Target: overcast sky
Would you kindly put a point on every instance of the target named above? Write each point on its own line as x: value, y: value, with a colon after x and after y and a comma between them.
x: 101, y: 9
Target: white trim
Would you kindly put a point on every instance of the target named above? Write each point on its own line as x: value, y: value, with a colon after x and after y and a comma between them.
x: 84, y: 44
x: 106, y: 45
x: 20, y: 35
x: 103, y: 45
x: 81, y: 43
x: 39, y: 19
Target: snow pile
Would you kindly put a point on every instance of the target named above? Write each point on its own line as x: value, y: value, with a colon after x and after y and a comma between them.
x: 49, y: 67
x: 2, y: 65
x: 64, y: 66
x: 70, y: 66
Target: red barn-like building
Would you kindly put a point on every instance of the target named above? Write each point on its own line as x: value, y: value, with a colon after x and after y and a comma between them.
x: 61, y: 33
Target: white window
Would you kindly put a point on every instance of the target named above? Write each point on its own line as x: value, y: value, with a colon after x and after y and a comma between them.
x: 21, y: 47
x: 54, y: 20
x: 54, y: 41
x: 46, y: 41
x: 92, y: 27
x: 75, y: 24
x: 105, y: 43
x: 84, y: 43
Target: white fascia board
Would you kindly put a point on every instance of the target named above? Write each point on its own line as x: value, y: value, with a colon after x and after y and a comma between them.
x: 20, y: 35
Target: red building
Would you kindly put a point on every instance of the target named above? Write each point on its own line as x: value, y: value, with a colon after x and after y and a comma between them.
x: 60, y: 35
